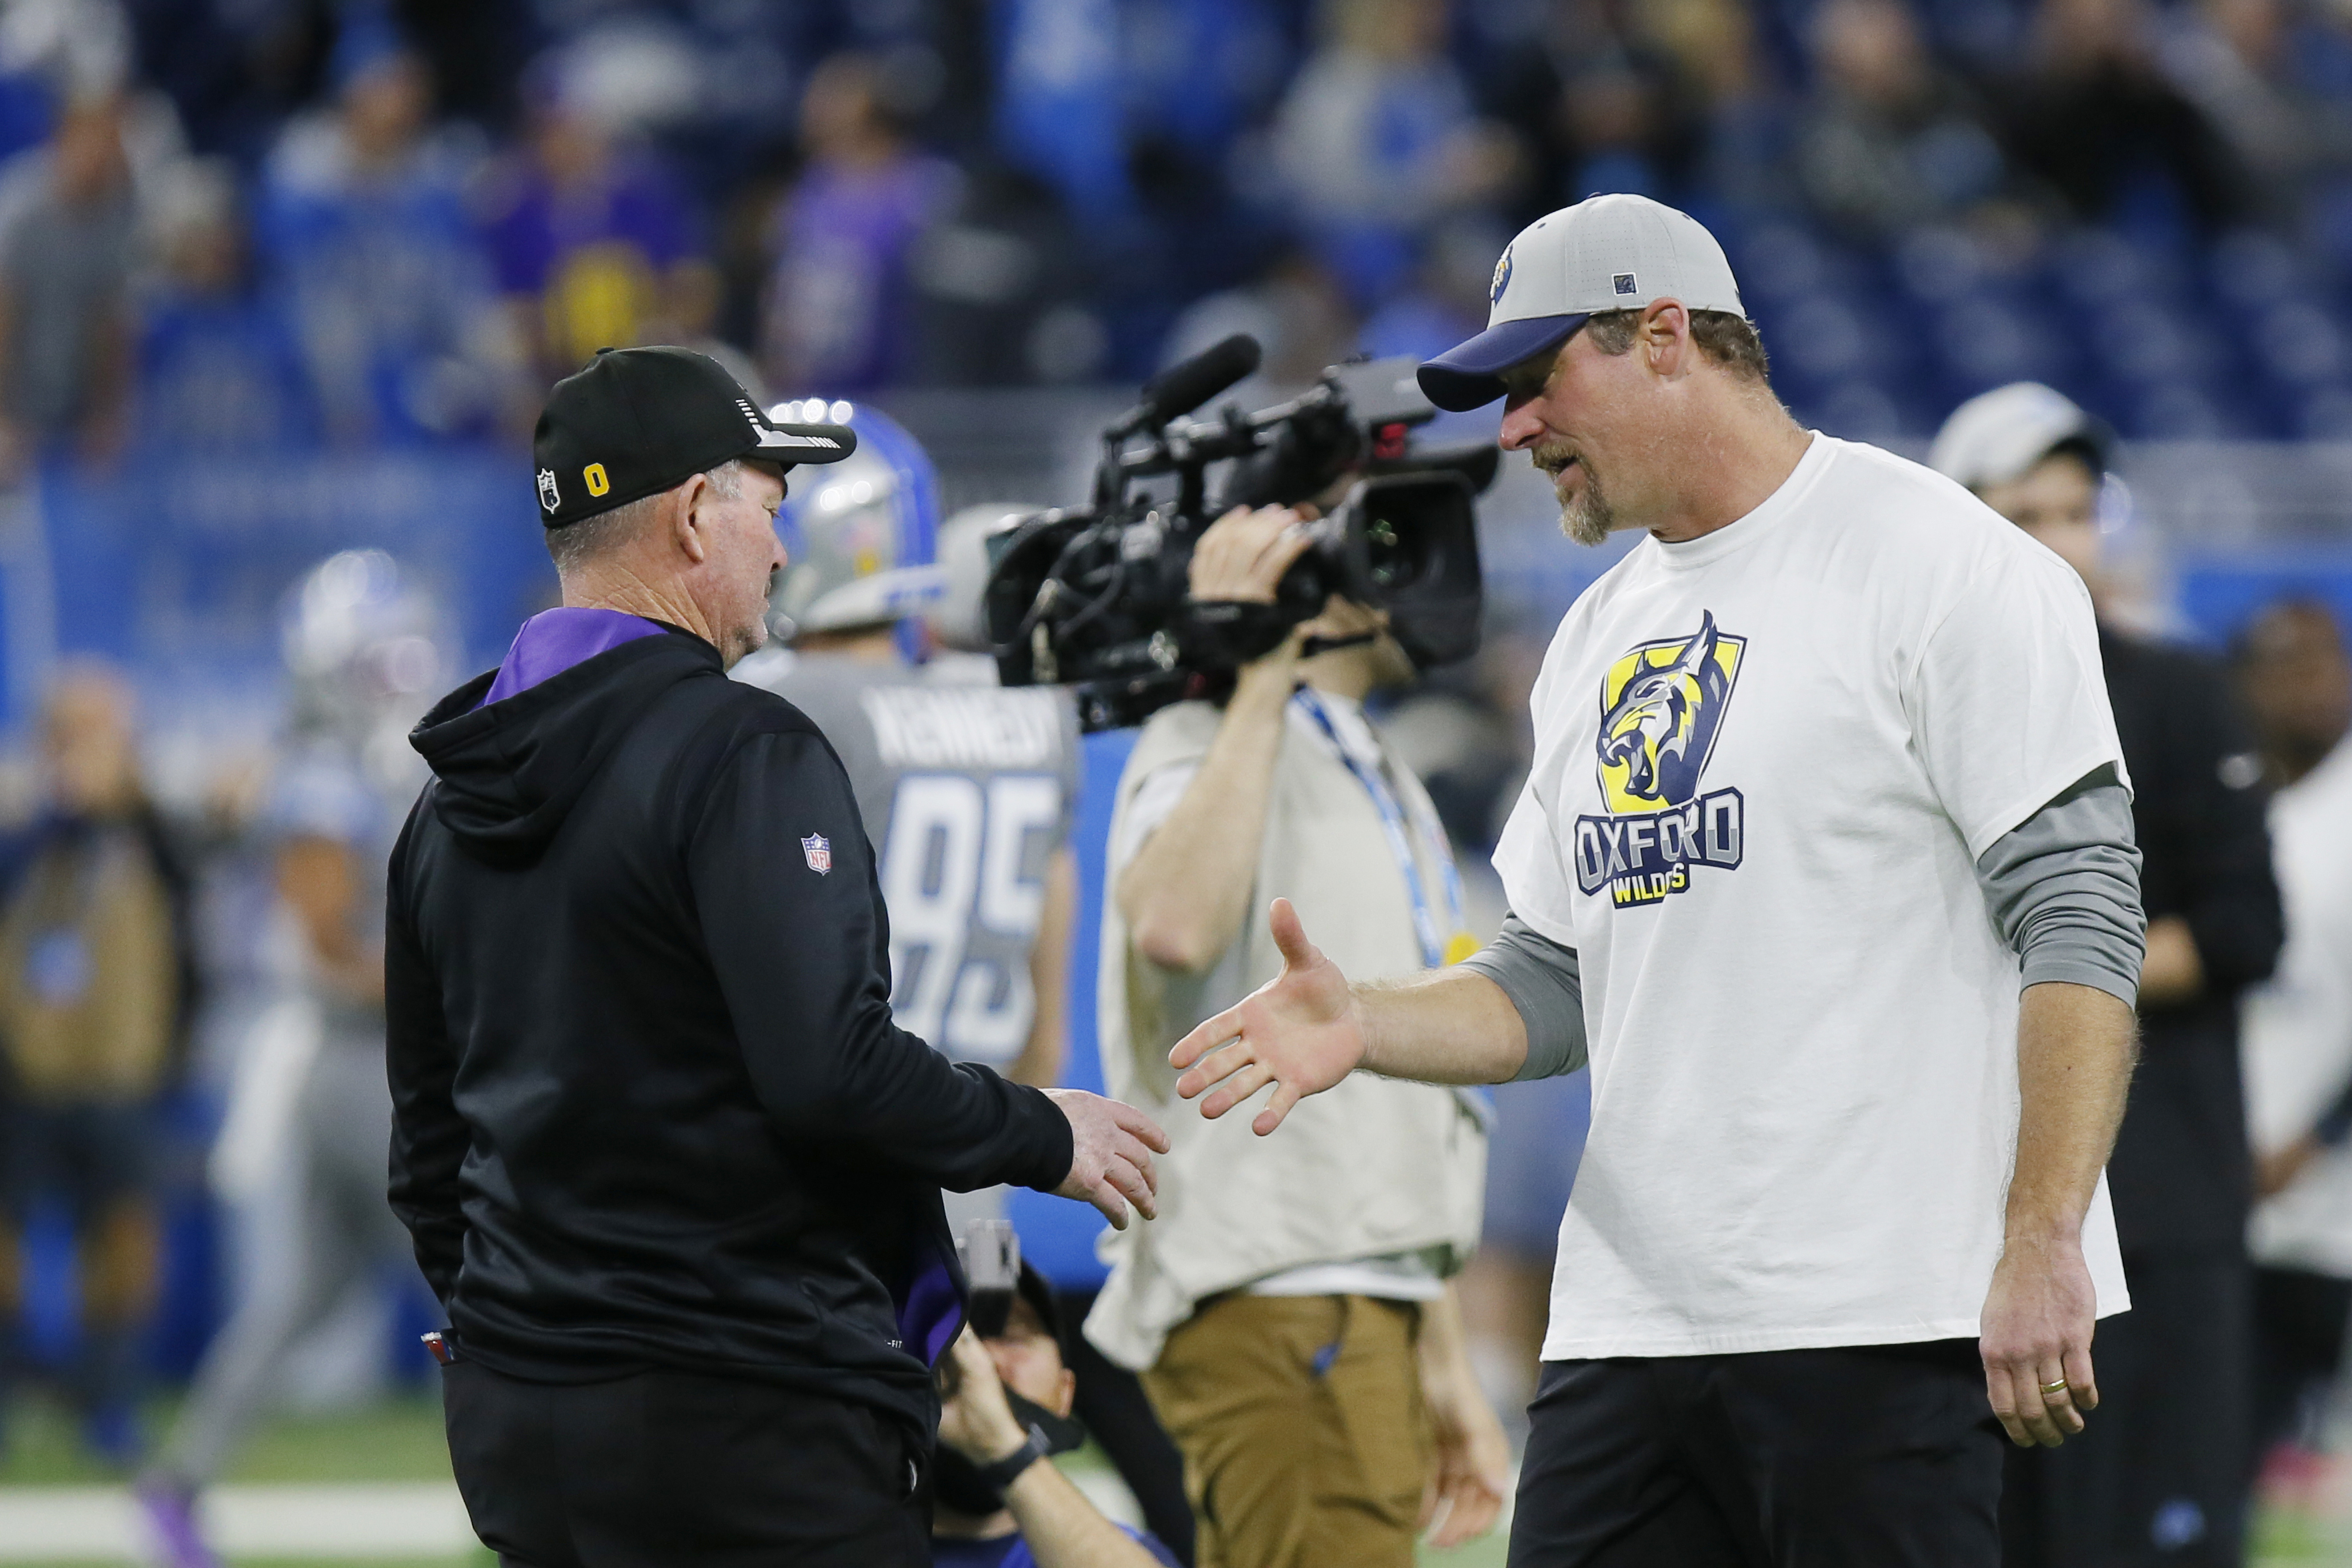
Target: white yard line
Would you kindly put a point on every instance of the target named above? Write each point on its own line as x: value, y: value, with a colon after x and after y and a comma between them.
x: 102, y: 1524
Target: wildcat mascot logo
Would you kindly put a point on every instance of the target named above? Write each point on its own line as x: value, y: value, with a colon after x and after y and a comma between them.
x: 1661, y: 708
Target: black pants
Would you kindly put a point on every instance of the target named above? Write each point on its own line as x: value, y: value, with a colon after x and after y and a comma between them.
x: 2159, y: 1477
x: 1112, y: 1405
x: 2299, y: 1327
x: 666, y: 1469
x: 1880, y: 1456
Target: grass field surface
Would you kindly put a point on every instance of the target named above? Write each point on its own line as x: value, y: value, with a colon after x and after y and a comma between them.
x: 390, y: 1448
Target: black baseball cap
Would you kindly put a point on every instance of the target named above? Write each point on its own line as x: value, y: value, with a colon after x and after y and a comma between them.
x: 637, y: 421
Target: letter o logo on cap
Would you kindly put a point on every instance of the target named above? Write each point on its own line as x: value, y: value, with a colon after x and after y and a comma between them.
x: 594, y: 474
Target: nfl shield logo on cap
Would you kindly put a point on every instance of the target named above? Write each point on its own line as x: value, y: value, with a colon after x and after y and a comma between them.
x: 819, y: 853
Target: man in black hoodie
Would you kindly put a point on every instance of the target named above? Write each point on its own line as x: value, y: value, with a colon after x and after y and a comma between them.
x: 670, y: 1166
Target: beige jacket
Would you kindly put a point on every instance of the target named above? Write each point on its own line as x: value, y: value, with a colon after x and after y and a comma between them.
x: 1372, y: 1167
x: 88, y: 977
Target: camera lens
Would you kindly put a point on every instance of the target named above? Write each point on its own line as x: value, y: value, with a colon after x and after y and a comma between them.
x: 1390, y: 561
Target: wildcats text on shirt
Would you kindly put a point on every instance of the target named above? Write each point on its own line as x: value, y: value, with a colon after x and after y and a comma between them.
x: 1662, y: 707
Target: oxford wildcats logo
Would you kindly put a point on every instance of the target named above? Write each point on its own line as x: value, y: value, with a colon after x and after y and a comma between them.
x: 1662, y: 706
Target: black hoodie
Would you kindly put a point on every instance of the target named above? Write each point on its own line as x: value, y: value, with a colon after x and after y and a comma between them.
x: 650, y: 1108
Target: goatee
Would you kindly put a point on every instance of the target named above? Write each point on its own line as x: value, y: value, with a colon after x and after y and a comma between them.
x: 1586, y: 517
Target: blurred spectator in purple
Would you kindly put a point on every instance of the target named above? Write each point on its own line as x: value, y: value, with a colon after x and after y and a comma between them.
x: 1377, y: 143
x: 1889, y: 141
x: 836, y: 310
x: 2095, y: 118
x: 364, y: 222
x: 96, y: 982
x: 68, y: 243
x: 2235, y: 59
x: 218, y: 367
x: 593, y: 242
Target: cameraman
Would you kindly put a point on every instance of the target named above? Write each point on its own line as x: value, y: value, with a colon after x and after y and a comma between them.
x: 1289, y: 1312
x: 1004, y: 1405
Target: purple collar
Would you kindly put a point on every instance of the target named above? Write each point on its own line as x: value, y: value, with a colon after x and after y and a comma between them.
x: 552, y: 641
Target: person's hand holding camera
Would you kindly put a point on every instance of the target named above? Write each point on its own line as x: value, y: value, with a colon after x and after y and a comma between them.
x: 974, y: 1418
x: 1241, y: 559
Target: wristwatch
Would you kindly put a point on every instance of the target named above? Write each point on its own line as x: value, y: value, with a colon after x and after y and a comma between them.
x: 1002, y: 1473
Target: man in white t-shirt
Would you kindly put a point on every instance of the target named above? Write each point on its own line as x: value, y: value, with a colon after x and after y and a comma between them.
x: 1826, y: 857
x: 2296, y: 676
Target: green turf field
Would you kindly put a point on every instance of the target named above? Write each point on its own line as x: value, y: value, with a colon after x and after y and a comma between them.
x: 401, y: 1441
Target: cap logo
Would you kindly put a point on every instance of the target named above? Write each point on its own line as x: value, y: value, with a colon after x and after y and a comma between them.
x: 547, y: 497
x: 1502, y: 277
x: 1622, y: 283
x: 750, y: 414
x: 593, y: 476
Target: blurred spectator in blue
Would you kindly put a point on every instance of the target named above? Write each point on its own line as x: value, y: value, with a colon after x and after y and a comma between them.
x: 364, y: 222
x: 1607, y: 106
x: 68, y: 243
x: 1727, y: 90
x: 96, y: 982
x: 998, y: 280
x: 1058, y: 110
x: 219, y: 370
x: 1889, y: 141
x: 2235, y: 60
x: 594, y: 244
x: 1377, y: 143
x: 1446, y: 301
x: 235, y: 72
x: 2095, y: 120
x: 836, y: 317
x: 1296, y: 310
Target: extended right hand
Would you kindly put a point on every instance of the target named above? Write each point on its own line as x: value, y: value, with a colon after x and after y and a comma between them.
x: 1301, y: 1031
x: 1111, y: 1147
x: 1243, y: 555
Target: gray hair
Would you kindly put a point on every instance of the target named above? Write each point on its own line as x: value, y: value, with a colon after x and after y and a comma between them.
x: 575, y: 545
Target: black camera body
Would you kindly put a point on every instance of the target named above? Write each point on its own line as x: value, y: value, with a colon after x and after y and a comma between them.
x: 1097, y: 598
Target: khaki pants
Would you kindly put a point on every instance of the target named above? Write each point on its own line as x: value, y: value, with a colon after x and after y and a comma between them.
x: 1301, y: 1424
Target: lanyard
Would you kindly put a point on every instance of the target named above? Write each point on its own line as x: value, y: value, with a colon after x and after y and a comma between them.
x: 1437, y: 948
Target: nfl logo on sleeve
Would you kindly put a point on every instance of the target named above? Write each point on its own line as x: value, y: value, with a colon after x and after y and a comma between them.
x: 818, y: 852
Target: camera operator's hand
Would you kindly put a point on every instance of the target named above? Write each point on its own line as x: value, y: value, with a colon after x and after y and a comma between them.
x: 974, y: 1419
x: 1243, y: 555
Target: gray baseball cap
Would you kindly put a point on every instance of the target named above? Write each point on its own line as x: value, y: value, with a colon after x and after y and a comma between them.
x: 1997, y: 436
x: 1605, y: 253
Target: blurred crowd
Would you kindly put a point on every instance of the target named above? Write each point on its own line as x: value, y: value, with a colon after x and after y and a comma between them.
x: 266, y: 225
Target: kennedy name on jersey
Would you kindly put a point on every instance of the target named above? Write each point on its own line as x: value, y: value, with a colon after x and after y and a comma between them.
x: 1662, y: 706
x: 964, y: 726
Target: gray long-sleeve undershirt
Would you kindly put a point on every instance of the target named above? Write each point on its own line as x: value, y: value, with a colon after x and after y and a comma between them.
x: 2063, y: 888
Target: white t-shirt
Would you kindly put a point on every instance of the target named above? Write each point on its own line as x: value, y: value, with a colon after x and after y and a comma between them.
x: 2297, y: 1025
x: 1765, y: 762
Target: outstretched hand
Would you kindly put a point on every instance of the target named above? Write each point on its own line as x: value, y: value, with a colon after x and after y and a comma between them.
x: 1111, y: 1145
x: 1302, y: 1032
